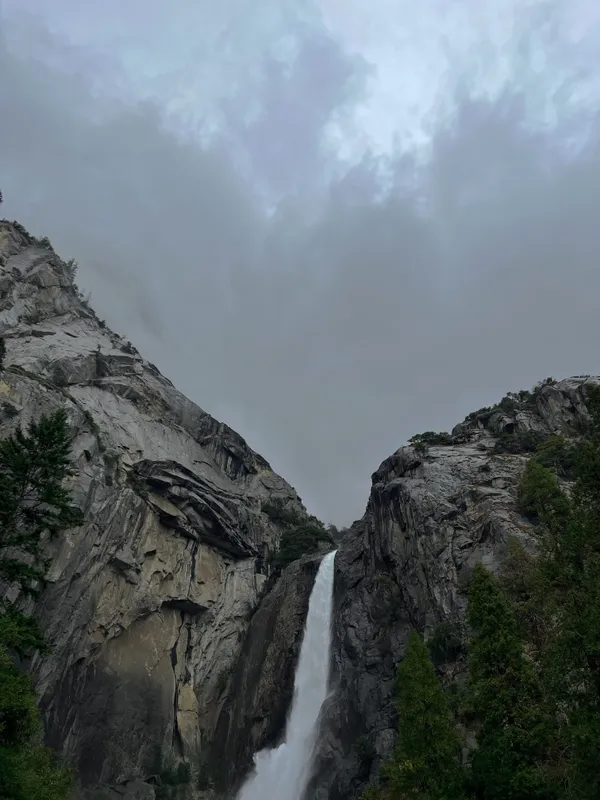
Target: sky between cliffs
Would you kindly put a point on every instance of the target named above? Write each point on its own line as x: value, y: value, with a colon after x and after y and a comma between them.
x: 332, y: 224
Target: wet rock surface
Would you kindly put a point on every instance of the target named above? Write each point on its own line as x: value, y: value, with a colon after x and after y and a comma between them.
x: 260, y: 692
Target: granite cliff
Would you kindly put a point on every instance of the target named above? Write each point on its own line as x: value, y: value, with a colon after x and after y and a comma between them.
x: 148, y: 601
x: 437, y: 507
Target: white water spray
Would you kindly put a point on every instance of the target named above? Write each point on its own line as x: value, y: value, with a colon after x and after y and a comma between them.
x: 283, y: 773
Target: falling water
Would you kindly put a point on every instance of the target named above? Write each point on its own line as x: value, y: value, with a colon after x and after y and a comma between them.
x: 283, y: 773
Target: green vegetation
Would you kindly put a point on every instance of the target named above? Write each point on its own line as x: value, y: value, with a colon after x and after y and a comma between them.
x: 531, y: 694
x: 556, y: 454
x: 300, y: 535
x: 519, y: 442
x: 505, y: 698
x: 297, y: 542
x: 71, y: 266
x: 172, y: 783
x: 281, y: 514
x: 446, y: 643
x: 33, y: 467
x: 541, y: 498
x: 511, y: 402
x: 170, y: 778
x: 430, y: 439
x: 426, y: 762
x: 33, y: 504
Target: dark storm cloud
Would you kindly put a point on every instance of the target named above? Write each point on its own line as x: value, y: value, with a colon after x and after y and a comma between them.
x: 331, y: 332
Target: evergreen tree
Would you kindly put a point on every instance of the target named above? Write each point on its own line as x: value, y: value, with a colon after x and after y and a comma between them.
x: 426, y: 763
x: 33, y: 503
x: 33, y: 500
x: 506, y: 699
x: 570, y: 564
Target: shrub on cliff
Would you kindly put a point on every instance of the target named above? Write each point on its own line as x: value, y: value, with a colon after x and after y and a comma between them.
x: 519, y: 442
x: 421, y: 441
x: 299, y: 541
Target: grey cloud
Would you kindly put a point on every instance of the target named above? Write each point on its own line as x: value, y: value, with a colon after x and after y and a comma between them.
x: 350, y: 320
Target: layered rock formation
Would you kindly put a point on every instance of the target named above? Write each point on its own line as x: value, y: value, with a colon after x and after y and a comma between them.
x: 434, y: 511
x: 148, y: 601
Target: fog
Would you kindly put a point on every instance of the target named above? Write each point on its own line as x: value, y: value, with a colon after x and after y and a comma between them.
x: 331, y: 230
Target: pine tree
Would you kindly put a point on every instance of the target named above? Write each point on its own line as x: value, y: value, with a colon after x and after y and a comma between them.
x: 33, y: 500
x: 426, y: 763
x: 33, y: 503
x: 506, y: 699
x: 571, y: 658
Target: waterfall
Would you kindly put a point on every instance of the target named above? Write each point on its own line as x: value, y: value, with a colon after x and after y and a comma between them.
x: 283, y: 773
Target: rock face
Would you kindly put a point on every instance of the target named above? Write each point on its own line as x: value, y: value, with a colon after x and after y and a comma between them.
x: 254, y: 714
x: 433, y: 513
x: 147, y: 603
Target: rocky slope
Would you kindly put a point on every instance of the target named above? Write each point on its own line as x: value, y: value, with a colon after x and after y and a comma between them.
x: 434, y: 511
x: 148, y: 601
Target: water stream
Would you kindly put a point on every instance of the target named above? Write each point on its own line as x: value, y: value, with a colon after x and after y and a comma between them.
x: 283, y: 773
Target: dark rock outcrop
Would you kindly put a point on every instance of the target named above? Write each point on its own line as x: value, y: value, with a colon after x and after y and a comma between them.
x: 261, y: 689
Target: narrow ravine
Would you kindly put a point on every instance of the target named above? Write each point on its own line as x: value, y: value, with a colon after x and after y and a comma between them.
x: 283, y: 773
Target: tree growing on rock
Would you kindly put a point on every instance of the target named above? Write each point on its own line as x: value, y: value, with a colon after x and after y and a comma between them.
x: 33, y: 499
x: 33, y: 503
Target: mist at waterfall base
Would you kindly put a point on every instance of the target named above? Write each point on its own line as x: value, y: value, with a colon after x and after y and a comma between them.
x: 283, y: 773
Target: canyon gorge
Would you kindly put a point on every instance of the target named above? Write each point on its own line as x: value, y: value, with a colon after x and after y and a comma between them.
x: 175, y: 635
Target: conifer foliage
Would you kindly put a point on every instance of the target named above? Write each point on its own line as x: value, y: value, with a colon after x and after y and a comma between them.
x: 426, y: 762
x: 506, y: 700
x: 33, y: 504
x: 33, y: 500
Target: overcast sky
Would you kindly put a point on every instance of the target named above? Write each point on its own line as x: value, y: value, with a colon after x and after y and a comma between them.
x: 332, y: 224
